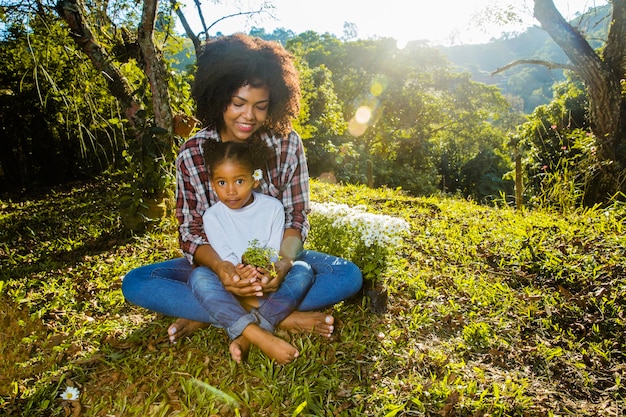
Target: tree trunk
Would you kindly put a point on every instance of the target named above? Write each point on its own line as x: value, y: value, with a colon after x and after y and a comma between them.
x: 73, y: 12
x: 154, y: 67
x: 602, y: 75
x: 519, y: 190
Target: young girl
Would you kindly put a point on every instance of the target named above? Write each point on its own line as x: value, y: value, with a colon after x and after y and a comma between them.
x: 241, y: 217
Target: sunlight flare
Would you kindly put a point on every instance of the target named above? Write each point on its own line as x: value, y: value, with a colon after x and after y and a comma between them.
x: 363, y: 115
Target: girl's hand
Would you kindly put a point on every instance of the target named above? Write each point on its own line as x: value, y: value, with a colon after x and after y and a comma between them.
x: 247, y: 272
x: 234, y: 283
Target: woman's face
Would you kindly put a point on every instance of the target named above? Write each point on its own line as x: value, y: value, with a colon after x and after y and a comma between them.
x: 246, y: 113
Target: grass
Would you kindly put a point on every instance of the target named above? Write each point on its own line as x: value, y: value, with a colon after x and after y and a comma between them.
x: 491, y: 312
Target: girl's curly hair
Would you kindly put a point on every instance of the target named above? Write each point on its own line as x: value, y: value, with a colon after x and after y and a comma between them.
x: 228, y: 63
x: 252, y: 153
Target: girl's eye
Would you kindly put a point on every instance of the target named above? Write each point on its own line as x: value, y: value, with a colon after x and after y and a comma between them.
x: 240, y: 181
x: 221, y: 182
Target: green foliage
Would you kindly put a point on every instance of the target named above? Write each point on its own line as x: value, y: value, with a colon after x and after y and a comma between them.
x: 55, y: 111
x: 491, y: 311
x: 561, y: 160
x: 425, y: 121
x: 482, y: 177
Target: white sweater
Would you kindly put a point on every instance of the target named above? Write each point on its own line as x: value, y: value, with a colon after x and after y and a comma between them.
x: 230, y: 231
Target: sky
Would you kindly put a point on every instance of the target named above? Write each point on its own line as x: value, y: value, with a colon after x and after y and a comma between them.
x: 441, y: 22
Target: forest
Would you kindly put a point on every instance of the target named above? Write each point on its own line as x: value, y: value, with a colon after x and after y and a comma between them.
x: 371, y: 113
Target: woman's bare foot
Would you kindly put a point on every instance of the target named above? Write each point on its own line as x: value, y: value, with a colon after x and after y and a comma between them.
x: 182, y: 328
x: 274, y: 347
x: 239, y: 349
x: 308, y: 322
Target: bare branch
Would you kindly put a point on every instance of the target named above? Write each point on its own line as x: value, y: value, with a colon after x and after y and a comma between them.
x: 547, y: 64
x: 234, y: 15
x: 183, y: 20
x: 205, y: 31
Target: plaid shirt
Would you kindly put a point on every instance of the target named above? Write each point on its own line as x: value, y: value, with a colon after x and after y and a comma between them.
x: 286, y: 177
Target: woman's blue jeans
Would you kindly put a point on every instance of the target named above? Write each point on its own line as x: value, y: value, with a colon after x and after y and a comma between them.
x: 165, y: 288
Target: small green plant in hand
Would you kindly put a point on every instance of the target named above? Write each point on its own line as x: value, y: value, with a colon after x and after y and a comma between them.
x: 259, y: 256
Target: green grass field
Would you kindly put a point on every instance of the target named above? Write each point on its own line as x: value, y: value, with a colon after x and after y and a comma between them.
x: 491, y: 312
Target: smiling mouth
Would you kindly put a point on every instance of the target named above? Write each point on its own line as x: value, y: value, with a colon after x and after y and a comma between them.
x: 246, y: 126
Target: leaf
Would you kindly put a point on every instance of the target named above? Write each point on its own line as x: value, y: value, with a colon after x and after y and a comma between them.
x: 217, y: 392
x: 299, y: 409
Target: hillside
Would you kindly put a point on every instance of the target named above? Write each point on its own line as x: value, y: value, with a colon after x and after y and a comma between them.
x: 532, y: 84
x: 490, y: 312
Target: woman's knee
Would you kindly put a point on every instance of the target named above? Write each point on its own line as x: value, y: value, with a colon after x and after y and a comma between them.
x: 131, y: 283
x: 356, y: 277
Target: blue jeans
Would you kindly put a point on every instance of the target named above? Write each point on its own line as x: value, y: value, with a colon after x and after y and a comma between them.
x: 233, y: 317
x: 164, y: 288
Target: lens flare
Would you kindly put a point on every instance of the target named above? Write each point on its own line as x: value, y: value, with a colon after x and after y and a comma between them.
x: 363, y: 115
x: 355, y: 128
x: 401, y: 43
x: 377, y: 88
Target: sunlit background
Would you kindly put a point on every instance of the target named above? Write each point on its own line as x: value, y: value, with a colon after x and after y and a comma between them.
x: 441, y: 22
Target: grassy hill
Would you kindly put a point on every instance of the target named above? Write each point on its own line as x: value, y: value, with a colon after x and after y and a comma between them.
x: 491, y: 312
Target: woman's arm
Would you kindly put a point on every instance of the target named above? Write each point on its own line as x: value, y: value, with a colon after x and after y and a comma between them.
x: 295, y: 185
x: 191, y: 198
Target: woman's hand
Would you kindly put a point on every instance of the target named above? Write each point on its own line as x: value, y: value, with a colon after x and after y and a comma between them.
x: 271, y: 283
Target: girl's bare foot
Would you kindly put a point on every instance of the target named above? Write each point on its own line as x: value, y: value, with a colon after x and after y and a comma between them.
x: 309, y: 322
x: 274, y: 347
x: 239, y: 349
x: 182, y: 328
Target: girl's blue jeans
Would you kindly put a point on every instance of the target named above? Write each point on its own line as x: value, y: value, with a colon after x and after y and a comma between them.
x: 175, y: 288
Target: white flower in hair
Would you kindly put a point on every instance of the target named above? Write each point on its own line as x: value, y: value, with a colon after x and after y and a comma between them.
x: 257, y: 175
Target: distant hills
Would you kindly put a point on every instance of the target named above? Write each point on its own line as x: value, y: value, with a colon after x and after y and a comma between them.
x: 530, y: 84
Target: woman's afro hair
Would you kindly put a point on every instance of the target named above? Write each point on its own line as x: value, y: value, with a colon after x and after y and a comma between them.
x: 228, y: 63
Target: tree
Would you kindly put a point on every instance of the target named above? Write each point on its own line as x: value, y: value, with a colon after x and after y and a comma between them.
x: 54, y: 108
x: 602, y: 71
x: 407, y: 111
x: 142, y: 48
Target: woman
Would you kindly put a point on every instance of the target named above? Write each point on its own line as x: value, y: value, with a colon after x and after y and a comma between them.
x: 244, y: 87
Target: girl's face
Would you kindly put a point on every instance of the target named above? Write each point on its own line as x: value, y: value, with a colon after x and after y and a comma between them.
x: 233, y: 184
x: 246, y: 113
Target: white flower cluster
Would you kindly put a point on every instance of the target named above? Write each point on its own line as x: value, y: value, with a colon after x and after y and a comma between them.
x: 379, y: 229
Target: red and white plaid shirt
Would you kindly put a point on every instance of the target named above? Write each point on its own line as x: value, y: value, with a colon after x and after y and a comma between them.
x: 286, y: 177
